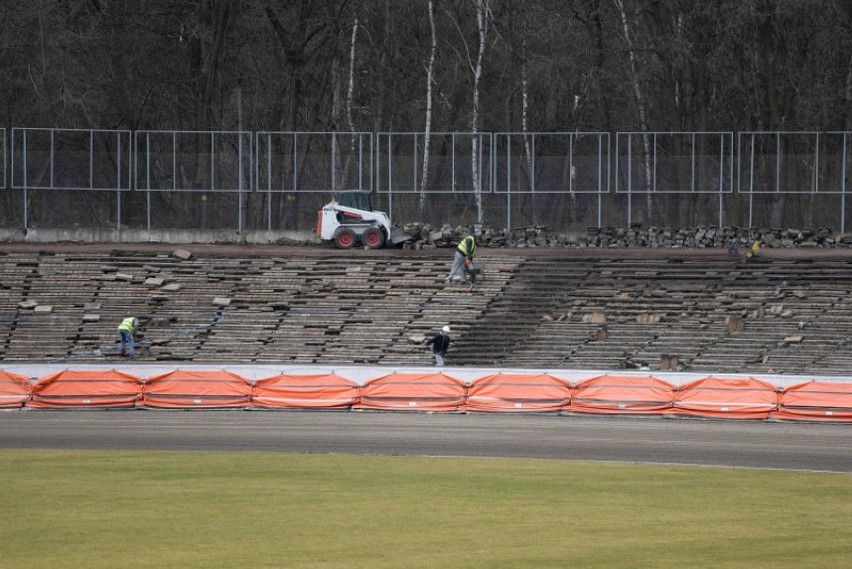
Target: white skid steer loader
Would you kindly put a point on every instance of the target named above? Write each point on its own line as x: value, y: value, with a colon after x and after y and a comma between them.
x: 350, y: 219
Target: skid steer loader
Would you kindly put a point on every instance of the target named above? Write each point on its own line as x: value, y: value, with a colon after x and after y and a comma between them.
x: 350, y: 219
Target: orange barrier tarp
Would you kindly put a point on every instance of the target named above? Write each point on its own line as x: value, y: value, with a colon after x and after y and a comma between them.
x: 316, y: 391
x: 87, y: 388
x: 15, y: 389
x: 726, y: 398
x: 413, y: 392
x: 622, y: 394
x: 815, y: 401
x: 197, y: 389
x: 517, y: 392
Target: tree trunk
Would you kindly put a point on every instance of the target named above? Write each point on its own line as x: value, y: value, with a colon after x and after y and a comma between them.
x: 640, y: 103
x: 483, y: 11
x: 528, y: 153
x: 430, y: 77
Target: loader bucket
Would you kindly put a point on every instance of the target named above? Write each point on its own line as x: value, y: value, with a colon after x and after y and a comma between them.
x: 398, y: 236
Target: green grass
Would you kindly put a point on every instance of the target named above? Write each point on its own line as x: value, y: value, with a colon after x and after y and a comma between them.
x: 85, y: 510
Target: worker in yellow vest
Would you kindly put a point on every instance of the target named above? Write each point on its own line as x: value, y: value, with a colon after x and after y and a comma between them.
x: 125, y: 331
x: 463, y: 260
x: 754, y: 250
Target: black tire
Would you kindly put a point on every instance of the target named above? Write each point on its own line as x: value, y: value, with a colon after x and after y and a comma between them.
x: 345, y: 238
x: 373, y: 237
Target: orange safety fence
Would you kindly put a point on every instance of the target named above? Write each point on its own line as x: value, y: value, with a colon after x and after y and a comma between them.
x: 98, y: 388
x: 726, y: 398
x: 709, y: 397
x: 435, y: 391
x: 15, y: 389
x: 310, y: 391
x: 815, y: 401
x: 197, y: 389
x: 518, y: 393
x: 621, y: 395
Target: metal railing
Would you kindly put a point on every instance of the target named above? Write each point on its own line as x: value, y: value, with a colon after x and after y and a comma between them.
x: 562, y: 180
x: 289, y: 165
x: 674, y: 163
x: 206, y: 162
x: 794, y: 163
x: 554, y: 164
x: 76, y: 160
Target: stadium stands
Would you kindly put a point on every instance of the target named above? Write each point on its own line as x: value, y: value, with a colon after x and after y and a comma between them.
x: 706, y: 314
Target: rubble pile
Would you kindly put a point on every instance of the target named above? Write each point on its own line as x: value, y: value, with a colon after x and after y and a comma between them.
x: 424, y: 237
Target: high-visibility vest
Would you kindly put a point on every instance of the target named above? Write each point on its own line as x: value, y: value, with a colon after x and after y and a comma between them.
x: 467, y: 247
x: 127, y: 324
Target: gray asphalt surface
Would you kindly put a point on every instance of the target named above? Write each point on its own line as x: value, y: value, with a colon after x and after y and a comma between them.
x: 750, y: 444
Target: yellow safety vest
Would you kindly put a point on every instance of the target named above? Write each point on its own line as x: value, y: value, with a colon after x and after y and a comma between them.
x: 467, y: 246
x: 127, y: 324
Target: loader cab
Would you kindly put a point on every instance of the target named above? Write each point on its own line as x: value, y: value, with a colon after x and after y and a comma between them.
x: 351, y: 219
x: 355, y: 199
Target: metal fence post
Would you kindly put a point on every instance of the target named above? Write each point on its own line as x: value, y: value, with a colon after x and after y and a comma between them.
x: 118, y: 183
x: 26, y: 205
x: 509, y: 183
x: 843, y: 185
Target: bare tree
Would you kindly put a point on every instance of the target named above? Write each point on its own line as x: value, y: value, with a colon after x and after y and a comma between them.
x: 640, y: 103
x: 302, y: 37
x: 430, y: 78
x: 350, y: 92
x: 483, y: 18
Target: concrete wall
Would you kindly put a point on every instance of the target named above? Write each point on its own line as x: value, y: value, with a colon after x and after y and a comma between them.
x: 174, y: 236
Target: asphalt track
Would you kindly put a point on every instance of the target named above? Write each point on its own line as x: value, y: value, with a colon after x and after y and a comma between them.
x: 746, y: 444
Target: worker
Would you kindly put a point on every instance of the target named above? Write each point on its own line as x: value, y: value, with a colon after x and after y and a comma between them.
x: 754, y: 250
x: 463, y: 260
x: 440, y: 343
x: 125, y: 331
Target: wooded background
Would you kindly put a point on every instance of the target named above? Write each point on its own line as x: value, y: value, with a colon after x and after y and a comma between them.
x: 600, y: 65
x: 427, y: 65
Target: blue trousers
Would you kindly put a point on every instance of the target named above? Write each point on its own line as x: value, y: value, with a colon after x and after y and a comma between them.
x: 127, y: 341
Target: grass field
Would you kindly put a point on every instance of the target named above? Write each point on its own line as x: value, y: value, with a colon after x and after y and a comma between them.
x: 83, y: 510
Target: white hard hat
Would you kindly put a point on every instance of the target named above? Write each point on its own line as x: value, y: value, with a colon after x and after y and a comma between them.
x: 445, y: 329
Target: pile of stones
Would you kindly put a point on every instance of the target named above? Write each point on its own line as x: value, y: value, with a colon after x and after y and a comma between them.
x: 424, y: 237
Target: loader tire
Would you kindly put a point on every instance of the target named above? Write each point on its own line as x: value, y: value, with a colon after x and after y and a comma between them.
x: 345, y: 238
x: 373, y: 237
